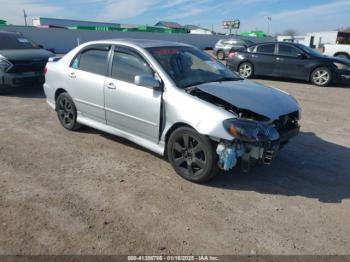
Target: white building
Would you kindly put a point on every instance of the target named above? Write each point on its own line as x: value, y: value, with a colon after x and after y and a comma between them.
x: 198, y: 30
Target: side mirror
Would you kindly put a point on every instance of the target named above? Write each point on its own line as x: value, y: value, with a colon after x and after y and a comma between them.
x: 301, y: 56
x: 147, y: 81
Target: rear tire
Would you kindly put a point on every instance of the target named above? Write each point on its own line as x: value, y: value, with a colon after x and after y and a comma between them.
x: 321, y: 76
x: 192, y: 155
x: 67, y: 112
x: 246, y: 70
x: 3, y: 90
x: 220, y: 55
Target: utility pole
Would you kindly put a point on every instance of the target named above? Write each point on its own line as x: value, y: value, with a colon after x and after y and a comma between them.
x: 25, y: 17
x: 269, y: 19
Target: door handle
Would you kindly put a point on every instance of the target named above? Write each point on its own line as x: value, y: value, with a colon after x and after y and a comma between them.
x: 72, y: 75
x: 111, y: 86
x: 279, y: 59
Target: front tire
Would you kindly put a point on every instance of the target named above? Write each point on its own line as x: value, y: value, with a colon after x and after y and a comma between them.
x: 246, y: 70
x: 67, y: 112
x: 321, y: 76
x: 192, y: 155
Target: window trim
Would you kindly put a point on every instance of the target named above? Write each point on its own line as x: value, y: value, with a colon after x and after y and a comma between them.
x: 274, y: 52
x: 92, y: 47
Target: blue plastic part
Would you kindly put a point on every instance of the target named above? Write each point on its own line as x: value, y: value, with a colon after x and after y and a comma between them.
x: 228, y: 155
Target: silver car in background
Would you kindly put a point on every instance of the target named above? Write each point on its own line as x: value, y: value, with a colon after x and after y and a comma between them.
x: 172, y: 99
x: 224, y: 47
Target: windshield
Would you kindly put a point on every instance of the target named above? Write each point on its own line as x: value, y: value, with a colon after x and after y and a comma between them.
x: 12, y: 41
x: 189, y: 66
x: 309, y: 50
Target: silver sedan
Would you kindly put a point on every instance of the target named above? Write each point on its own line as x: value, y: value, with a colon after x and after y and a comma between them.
x: 172, y: 99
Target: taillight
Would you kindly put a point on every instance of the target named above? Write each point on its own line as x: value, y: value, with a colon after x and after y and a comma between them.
x: 232, y: 55
x: 45, y: 70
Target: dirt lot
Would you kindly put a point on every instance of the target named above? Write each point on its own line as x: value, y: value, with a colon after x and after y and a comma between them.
x: 87, y: 192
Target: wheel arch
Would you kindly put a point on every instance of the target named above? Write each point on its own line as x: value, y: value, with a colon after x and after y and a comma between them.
x: 173, y: 128
x: 342, y: 53
x: 58, y: 92
x: 218, y: 50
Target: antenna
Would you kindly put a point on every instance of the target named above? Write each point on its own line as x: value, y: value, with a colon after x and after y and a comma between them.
x: 25, y: 17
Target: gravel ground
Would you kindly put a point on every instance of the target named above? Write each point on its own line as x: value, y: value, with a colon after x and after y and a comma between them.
x: 87, y: 192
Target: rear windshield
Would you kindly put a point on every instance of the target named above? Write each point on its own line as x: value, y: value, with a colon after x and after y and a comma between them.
x: 9, y: 41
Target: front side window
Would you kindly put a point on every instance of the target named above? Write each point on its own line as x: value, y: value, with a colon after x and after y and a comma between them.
x: 266, y: 49
x: 288, y: 50
x: 92, y: 60
x: 188, y: 66
x: 126, y: 65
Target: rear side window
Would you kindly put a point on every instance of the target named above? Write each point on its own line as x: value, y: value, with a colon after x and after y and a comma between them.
x: 266, y: 49
x: 126, y: 65
x: 288, y: 50
x: 92, y: 60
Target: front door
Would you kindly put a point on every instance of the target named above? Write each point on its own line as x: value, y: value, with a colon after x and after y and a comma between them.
x: 290, y: 62
x: 131, y: 108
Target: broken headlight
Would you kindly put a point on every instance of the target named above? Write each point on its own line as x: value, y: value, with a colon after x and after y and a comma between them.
x: 341, y: 66
x: 249, y: 130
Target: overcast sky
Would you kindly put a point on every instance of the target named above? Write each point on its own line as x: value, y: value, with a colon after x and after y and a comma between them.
x: 301, y: 15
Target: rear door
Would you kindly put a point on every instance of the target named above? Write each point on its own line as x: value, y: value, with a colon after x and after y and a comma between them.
x: 86, y: 77
x: 291, y: 62
x: 264, y: 59
x: 131, y: 108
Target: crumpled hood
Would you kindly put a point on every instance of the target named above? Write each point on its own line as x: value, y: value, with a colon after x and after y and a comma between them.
x: 248, y: 95
x: 26, y: 54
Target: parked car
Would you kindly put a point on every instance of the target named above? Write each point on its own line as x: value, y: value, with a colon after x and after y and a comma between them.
x: 289, y: 60
x: 174, y: 100
x: 224, y: 46
x: 22, y: 62
x: 340, y: 51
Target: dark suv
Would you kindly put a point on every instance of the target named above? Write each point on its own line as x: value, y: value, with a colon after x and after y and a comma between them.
x: 22, y: 62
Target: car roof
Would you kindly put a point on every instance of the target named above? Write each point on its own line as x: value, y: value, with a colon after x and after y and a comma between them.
x: 277, y: 42
x: 144, y: 43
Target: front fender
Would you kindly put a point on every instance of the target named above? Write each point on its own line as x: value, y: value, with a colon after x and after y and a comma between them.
x: 203, y: 116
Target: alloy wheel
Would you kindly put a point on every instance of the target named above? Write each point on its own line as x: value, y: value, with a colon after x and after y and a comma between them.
x: 245, y: 70
x: 189, y: 155
x: 321, y: 77
x: 66, y: 112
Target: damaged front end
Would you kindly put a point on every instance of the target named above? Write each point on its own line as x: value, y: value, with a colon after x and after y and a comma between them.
x: 262, y: 124
x: 255, y: 141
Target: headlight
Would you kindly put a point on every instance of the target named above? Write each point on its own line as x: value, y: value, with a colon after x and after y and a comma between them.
x: 5, y: 65
x: 341, y: 66
x: 249, y: 130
